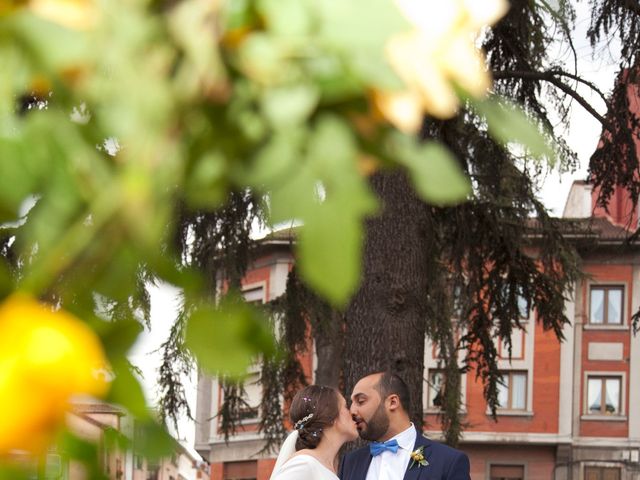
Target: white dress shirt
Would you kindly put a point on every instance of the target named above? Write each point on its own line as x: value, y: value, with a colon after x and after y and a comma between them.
x: 389, y: 465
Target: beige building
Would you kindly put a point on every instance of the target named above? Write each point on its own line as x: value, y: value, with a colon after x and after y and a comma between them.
x: 89, y: 420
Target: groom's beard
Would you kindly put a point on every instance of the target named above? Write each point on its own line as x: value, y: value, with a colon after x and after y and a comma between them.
x: 376, y: 427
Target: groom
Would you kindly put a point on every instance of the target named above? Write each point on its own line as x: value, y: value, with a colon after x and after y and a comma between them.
x: 397, y: 450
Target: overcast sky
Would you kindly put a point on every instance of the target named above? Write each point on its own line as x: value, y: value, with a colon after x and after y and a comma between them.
x: 584, y: 130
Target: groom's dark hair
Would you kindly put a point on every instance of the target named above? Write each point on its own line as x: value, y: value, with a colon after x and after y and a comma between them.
x: 390, y: 384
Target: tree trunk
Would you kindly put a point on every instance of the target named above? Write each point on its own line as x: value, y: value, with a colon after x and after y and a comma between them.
x: 385, y: 322
x: 329, y: 347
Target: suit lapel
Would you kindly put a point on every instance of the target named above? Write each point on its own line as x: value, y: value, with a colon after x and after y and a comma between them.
x: 413, y: 472
x: 362, y: 464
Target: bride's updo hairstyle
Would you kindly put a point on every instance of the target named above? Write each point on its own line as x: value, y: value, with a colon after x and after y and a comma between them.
x: 313, y: 409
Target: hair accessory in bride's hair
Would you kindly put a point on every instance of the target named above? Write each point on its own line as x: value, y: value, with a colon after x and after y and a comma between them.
x: 301, y: 423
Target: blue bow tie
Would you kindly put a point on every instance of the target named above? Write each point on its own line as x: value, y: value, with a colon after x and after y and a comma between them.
x: 376, y: 448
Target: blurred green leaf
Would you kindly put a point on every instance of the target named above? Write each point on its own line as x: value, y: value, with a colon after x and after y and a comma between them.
x: 119, y: 336
x: 287, y: 18
x: 85, y: 452
x: 15, y: 472
x: 359, y: 30
x: 117, y: 278
x: 17, y: 178
x: 152, y: 441
x: 78, y: 448
x: 332, y: 235
x: 6, y: 282
x: 206, y: 186
x: 296, y: 197
x: 276, y: 160
x: 227, y: 338
x: 262, y: 59
x: 53, y: 46
x: 239, y: 14
x: 508, y: 123
x: 434, y: 171
x: 191, y: 23
x: 329, y: 250
x: 359, y: 25
x: 116, y: 440
x: 335, y: 80
x: 333, y: 151
x: 125, y: 389
x: 290, y: 105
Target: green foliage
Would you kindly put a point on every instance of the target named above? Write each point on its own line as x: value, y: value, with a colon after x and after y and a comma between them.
x: 153, y: 441
x: 227, y: 337
x: 437, y: 176
x: 508, y: 124
x: 226, y: 116
x: 84, y: 452
x: 330, y: 241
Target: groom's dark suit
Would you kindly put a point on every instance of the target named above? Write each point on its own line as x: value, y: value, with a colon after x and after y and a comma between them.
x: 445, y: 463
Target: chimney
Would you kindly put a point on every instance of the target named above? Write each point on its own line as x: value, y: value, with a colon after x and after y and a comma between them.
x: 579, y: 201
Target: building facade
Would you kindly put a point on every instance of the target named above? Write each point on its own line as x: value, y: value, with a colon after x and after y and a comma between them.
x: 568, y: 410
x: 571, y: 409
x: 240, y: 458
x: 88, y: 420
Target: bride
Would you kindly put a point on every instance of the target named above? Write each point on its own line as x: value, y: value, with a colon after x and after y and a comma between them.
x: 322, y: 424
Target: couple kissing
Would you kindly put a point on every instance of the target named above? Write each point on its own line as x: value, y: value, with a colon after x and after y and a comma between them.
x: 378, y: 413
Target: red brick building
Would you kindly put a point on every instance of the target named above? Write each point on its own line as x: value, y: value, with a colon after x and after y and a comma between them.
x: 570, y: 410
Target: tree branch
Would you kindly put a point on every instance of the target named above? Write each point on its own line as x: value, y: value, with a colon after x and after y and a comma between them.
x: 552, y: 78
x: 577, y: 78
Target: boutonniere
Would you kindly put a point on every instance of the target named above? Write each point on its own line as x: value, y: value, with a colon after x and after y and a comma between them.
x: 417, y: 458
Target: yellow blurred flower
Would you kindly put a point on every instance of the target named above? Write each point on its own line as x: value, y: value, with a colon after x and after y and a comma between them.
x: 74, y: 14
x: 46, y: 357
x: 437, y: 54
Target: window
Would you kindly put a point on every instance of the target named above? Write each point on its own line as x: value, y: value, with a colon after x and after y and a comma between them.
x: 435, y: 389
x: 601, y: 473
x: 252, y: 396
x: 506, y: 472
x: 253, y: 295
x: 512, y: 393
x: 523, y: 308
x: 457, y: 301
x: 138, y: 438
x: 603, y: 395
x: 507, y: 294
x: 606, y: 305
x: 517, y: 346
x: 153, y: 472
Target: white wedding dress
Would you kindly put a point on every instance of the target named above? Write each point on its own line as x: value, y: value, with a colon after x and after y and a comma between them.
x: 298, y: 467
x: 303, y: 467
